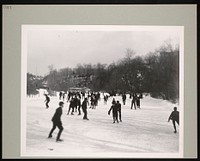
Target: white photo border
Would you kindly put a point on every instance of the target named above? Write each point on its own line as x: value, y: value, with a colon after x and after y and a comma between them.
x: 24, y: 31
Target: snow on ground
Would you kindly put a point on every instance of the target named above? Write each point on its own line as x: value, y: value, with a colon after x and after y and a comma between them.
x: 144, y: 130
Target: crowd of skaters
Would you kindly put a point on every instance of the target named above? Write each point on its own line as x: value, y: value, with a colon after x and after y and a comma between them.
x: 91, y: 99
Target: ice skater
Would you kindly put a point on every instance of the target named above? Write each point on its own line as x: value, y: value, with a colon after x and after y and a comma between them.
x: 174, y: 116
x: 133, y: 102
x: 124, y: 98
x: 105, y: 97
x: 113, y: 101
x: 113, y: 108
x: 56, y: 119
x: 118, y: 104
x: 79, y: 106
x: 47, y: 100
x: 63, y: 95
x: 84, y: 108
x: 138, y: 101
x: 69, y: 96
x: 75, y: 103
x: 60, y: 95
x: 92, y: 101
x: 71, y: 106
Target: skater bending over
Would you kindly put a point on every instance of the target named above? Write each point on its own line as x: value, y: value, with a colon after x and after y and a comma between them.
x: 174, y: 116
x: 47, y: 100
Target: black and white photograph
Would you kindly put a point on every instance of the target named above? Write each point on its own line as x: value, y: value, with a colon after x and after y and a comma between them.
x: 102, y: 91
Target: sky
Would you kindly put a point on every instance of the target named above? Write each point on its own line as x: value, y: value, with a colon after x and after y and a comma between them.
x: 67, y: 48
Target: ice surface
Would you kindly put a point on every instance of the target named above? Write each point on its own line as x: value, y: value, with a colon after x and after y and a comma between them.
x: 144, y: 130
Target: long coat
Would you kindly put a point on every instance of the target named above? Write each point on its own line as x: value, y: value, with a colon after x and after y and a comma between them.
x: 174, y: 116
x: 57, y: 116
x: 113, y: 109
x: 84, y: 105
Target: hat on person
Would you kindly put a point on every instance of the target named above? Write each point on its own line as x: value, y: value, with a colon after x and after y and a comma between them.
x: 61, y: 103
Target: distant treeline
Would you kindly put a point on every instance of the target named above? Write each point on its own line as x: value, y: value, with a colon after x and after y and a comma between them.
x: 156, y: 73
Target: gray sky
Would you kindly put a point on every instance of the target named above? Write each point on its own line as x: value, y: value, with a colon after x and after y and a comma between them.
x: 63, y: 48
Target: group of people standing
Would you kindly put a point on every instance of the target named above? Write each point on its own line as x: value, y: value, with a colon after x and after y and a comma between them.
x: 74, y: 104
x: 116, y: 111
x: 136, y: 101
x: 94, y: 98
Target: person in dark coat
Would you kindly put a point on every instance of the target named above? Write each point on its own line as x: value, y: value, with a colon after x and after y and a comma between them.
x: 96, y: 100
x: 79, y: 106
x: 130, y: 96
x: 92, y: 100
x: 84, y: 108
x: 113, y: 108
x: 69, y: 96
x: 174, y: 116
x: 133, y: 102
x: 119, y: 110
x: 124, y: 99
x: 75, y: 103
x: 138, y: 102
x: 60, y: 95
x: 56, y: 119
x: 105, y: 100
x: 63, y: 95
x: 71, y: 106
x: 47, y: 100
x: 113, y: 101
